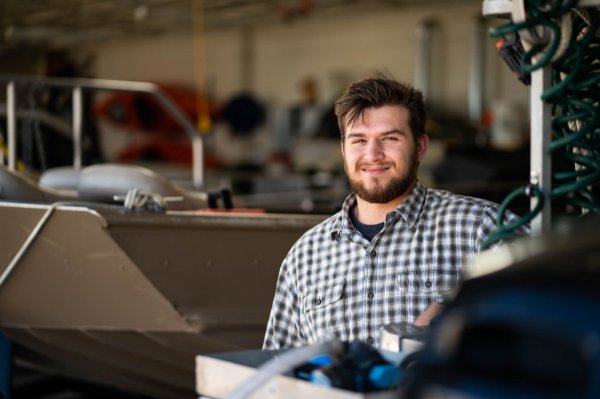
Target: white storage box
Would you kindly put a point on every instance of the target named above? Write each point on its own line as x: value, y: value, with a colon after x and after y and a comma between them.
x: 217, y: 375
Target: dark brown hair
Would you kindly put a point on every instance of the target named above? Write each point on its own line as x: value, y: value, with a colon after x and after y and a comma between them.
x: 376, y: 92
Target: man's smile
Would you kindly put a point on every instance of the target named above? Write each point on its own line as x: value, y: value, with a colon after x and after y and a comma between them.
x: 374, y: 169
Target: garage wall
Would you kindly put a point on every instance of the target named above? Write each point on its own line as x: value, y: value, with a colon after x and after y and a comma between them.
x: 168, y: 58
x: 333, y: 49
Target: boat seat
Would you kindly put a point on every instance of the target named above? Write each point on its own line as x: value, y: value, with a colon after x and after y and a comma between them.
x: 102, y: 182
x: 61, y: 177
x: 97, y: 183
x: 17, y: 187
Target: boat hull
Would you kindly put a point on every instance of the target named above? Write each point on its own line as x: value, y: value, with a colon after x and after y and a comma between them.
x: 129, y: 299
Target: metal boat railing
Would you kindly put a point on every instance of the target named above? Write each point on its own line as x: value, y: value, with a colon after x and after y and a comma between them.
x: 77, y: 85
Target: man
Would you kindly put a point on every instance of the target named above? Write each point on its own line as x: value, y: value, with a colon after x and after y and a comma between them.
x: 395, y: 247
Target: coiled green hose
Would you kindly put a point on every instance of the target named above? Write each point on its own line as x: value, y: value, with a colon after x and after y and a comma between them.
x: 574, y: 95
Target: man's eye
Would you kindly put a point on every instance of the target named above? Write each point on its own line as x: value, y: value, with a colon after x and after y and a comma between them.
x: 390, y: 138
x: 358, y: 141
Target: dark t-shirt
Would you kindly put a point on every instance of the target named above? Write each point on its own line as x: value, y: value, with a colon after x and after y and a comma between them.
x: 367, y: 230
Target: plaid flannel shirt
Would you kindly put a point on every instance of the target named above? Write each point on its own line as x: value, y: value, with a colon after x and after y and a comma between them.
x: 334, y: 281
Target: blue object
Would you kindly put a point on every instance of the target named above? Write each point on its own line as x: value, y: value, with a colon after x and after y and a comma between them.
x: 385, y: 376
x: 305, y: 371
x: 5, y: 367
x: 360, y: 368
x: 321, y: 360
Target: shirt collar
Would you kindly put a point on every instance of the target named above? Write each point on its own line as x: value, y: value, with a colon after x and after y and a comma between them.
x: 409, y: 210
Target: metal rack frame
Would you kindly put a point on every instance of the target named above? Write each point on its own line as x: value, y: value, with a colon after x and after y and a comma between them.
x: 77, y: 85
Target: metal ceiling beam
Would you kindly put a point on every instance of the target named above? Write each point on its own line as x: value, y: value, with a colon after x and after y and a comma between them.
x: 74, y: 22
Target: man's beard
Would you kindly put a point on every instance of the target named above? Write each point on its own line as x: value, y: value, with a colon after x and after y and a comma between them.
x: 397, y: 187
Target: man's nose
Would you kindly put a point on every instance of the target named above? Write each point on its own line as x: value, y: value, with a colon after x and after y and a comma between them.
x: 374, y: 150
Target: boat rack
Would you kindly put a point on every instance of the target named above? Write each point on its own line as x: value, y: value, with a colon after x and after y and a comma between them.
x: 77, y: 85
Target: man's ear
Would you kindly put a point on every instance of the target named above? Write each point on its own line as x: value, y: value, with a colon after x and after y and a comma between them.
x: 342, y: 145
x: 422, y: 146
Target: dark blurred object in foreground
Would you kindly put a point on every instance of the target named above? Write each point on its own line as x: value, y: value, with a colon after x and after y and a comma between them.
x: 529, y: 330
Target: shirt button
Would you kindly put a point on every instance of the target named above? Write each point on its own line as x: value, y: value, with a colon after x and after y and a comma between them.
x: 370, y: 340
x: 428, y: 284
x: 318, y: 301
x: 373, y: 254
x: 370, y: 295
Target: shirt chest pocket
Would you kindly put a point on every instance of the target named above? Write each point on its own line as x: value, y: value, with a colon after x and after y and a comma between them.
x: 324, y: 297
x: 429, y: 280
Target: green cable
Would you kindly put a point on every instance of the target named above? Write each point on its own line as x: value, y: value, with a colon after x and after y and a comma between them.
x: 575, y: 98
x: 547, y: 55
x: 502, y: 231
x: 555, y: 90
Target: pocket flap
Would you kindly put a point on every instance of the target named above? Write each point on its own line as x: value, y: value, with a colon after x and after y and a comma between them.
x: 323, y: 297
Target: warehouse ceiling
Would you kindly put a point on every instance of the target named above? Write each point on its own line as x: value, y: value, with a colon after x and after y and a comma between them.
x: 76, y: 22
